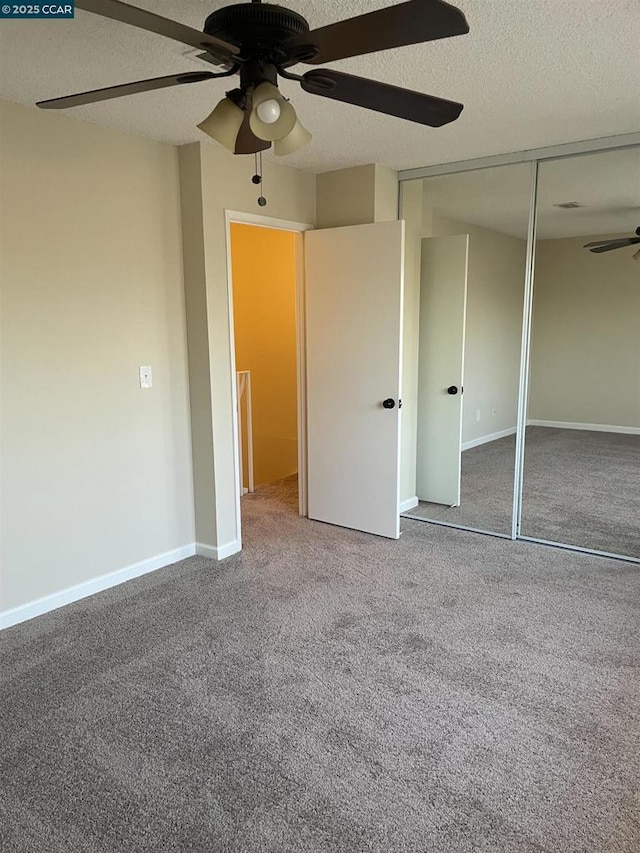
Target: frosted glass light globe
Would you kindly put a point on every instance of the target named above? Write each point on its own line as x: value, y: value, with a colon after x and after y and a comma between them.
x: 269, y: 111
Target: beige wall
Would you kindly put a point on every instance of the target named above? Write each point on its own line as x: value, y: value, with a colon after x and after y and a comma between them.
x: 194, y: 266
x: 96, y: 473
x: 495, y: 295
x: 346, y: 197
x: 212, y: 181
x: 585, y: 345
x: 357, y: 196
x: 386, y: 195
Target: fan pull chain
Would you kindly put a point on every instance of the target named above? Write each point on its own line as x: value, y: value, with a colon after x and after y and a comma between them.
x: 262, y: 200
x: 257, y: 178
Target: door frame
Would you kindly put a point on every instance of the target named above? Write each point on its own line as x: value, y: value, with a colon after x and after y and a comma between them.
x: 298, y: 228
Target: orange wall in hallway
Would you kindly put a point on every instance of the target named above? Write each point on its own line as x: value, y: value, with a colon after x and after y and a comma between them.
x: 264, y: 307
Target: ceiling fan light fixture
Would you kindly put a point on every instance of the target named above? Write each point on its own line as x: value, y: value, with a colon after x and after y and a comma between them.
x: 272, y: 116
x: 224, y: 123
x: 294, y: 141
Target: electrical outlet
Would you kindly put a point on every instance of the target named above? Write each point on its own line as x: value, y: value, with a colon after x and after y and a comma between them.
x: 477, y: 414
x: 146, y: 377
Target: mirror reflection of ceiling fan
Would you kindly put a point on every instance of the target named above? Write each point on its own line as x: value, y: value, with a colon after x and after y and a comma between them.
x: 261, y: 41
x: 608, y: 245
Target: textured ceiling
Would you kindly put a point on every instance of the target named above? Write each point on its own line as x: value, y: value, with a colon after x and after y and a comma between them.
x: 531, y: 73
x: 606, y: 186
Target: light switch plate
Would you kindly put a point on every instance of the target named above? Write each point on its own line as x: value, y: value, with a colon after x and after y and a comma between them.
x: 146, y: 377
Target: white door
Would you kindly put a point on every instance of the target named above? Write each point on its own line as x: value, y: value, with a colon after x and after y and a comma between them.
x: 443, y: 303
x: 354, y: 284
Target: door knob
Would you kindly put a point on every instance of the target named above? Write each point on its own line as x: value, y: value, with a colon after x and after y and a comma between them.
x: 389, y: 403
x: 452, y: 389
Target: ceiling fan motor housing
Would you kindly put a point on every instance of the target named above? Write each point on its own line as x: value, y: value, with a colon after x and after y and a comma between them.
x: 259, y: 29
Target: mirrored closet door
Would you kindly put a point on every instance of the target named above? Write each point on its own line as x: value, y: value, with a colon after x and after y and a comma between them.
x: 581, y: 482
x: 473, y: 230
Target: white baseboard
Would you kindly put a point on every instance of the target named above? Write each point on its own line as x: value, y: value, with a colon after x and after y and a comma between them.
x: 485, y: 439
x: 220, y: 552
x: 410, y: 503
x: 82, y: 590
x: 627, y: 430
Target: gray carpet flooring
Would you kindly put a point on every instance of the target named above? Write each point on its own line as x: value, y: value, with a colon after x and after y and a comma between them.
x: 486, y: 489
x: 580, y: 488
x: 330, y: 692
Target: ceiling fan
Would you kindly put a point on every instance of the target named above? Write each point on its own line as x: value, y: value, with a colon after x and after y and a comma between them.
x: 261, y: 41
x: 609, y: 245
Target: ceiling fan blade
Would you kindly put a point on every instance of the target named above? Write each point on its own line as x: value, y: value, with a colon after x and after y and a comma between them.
x: 246, y: 141
x: 157, y: 24
x: 616, y: 244
x: 403, y: 24
x: 96, y: 95
x: 381, y: 97
x: 622, y: 241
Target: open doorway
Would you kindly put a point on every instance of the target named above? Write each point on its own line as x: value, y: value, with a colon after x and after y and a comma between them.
x: 266, y: 288
x: 348, y: 324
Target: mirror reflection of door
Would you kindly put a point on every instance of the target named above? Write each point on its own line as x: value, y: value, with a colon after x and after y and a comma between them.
x: 443, y: 307
x: 466, y: 442
x: 582, y: 453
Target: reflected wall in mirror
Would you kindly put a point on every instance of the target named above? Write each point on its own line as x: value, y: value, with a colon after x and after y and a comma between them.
x: 473, y: 252
x: 582, y: 454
